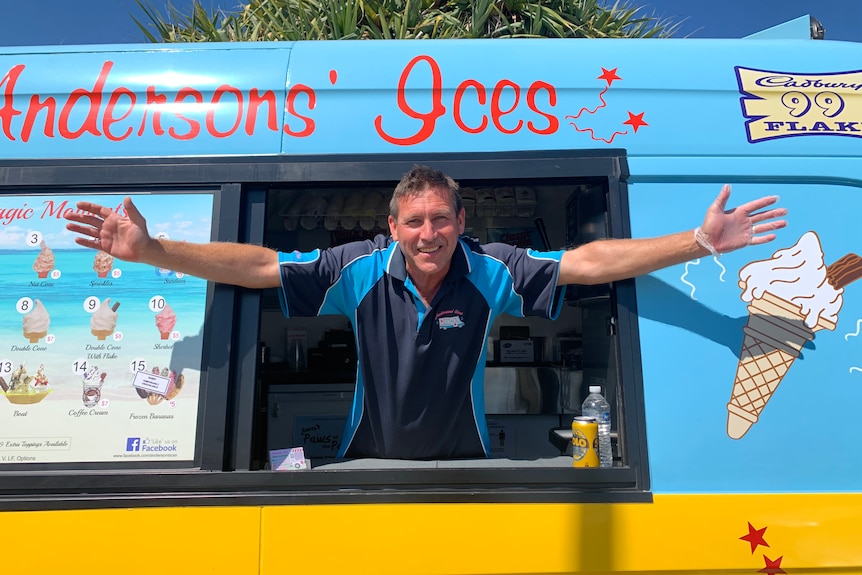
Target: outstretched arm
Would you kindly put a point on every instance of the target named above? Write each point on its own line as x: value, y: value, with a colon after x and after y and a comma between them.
x: 127, y: 238
x: 722, y: 230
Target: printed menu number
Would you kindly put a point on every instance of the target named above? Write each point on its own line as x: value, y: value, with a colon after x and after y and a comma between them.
x: 80, y: 367
x: 137, y: 365
x: 157, y: 303
x: 34, y: 238
x: 24, y: 305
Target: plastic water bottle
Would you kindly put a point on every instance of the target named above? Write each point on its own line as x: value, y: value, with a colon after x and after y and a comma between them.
x: 595, y: 405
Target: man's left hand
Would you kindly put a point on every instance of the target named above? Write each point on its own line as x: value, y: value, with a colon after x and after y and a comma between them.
x: 729, y: 230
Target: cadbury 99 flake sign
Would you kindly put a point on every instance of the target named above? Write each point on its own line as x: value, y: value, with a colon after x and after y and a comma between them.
x: 785, y: 104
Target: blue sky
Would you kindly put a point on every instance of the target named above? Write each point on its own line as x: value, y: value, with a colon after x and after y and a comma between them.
x: 55, y: 22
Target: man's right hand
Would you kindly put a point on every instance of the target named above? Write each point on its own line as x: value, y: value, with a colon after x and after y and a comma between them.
x: 103, y: 229
x: 127, y: 238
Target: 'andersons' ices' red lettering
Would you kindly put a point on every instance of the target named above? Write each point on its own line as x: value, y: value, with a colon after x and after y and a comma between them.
x: 183, y: 116
x: 117, y: 113
x: 506, y: 120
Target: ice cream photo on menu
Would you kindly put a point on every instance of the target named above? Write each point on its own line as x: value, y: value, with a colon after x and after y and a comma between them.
x: 37, y: 322
x: 176, y: 385
x: 44, y: 261
x: 790, y: 296
x: 103, y: 263
x: 25, y: 389
x: 92, y: 381
x: 40, y: 380
x: 165, y: 321
x: 104, y: 320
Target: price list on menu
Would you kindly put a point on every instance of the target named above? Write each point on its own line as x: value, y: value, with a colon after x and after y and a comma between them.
x: 100, y: 359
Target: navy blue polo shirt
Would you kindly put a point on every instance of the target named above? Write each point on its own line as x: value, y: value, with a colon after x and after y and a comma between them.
x: 420, y: 371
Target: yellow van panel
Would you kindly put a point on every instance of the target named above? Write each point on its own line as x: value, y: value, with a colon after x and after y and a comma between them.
x: 675, y: 533
x: 685, y: 534
x: 138, y: 541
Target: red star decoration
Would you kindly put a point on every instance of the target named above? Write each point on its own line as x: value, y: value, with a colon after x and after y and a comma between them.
x: 772, y: 567
x: 755, y: 537
x: 609, y: 76
x: 636, y: 121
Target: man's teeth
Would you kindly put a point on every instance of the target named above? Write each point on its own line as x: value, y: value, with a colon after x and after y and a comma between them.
x: 429, y: 250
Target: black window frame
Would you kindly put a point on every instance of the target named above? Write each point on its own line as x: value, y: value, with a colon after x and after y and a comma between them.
x: 227, y: 423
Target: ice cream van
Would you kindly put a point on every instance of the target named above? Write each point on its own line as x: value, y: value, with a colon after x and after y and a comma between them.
x: 152, y: 422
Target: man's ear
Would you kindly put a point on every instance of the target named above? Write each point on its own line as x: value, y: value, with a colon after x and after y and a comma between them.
x: 393, y: 228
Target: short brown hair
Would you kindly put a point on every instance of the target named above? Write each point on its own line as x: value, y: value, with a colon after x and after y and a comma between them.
x: 421, y: 179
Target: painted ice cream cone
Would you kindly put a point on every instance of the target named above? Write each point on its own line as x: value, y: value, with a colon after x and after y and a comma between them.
x: 101, y: 334
x: 104, y: 320
x: 35, y: 336
x: 165, y: 322
x: 791, y: 296
x: 36, y: 323
x: 44, y: 261
x: 774, y: 336
x: 102, y: 264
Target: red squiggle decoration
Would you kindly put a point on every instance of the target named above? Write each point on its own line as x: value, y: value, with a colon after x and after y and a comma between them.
x: 593, y: 133
x: 599, y: 107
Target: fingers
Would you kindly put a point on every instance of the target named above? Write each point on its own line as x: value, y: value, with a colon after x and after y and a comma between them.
x: 762, y: 239
x: 759, y: 204
x: 94, y: 244
x: 90, y: 216
x: 758, y: 232
x: 768, y: 215
x: 763, y: 221
x: 84, y: 218
x: 132, y: 212
x: 85, y: 230
x: 721, y: 201
x: 87, y: 221
x: 92, y: 208
x: 94, y: 214
x: 768, y: 226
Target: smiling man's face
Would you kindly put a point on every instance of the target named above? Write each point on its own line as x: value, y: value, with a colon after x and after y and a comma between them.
x: 427, y: 229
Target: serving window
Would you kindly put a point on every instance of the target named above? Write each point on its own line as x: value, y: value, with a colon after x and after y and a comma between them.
x: 266, y: 384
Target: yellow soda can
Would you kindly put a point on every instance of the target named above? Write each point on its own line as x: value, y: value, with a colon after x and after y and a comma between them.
x: 585, y: 442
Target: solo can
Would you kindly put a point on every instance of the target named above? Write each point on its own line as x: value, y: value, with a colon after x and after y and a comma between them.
x: 585, y: 442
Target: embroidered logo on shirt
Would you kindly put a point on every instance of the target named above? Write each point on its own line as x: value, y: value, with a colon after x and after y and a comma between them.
x: 450, y: 318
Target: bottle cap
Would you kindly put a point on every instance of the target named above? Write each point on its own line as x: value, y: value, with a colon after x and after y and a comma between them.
x: 595, y: 389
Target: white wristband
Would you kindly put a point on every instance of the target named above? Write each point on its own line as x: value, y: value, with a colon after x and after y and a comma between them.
x: 703, y: 239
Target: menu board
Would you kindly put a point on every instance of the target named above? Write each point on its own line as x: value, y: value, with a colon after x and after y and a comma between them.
x: 100, y: 359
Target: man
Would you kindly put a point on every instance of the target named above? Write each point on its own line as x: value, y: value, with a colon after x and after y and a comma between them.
x: 423, y: 300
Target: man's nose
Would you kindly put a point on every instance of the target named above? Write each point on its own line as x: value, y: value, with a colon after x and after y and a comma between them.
x: 428, y: 231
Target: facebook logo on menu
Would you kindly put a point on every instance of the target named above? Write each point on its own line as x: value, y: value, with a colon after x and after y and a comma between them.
x: 133, y: 444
